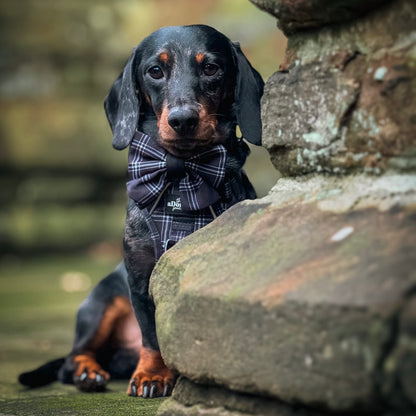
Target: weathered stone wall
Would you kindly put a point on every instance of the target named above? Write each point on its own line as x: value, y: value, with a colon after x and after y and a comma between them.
x: 344, y: 99
x: 303, y: 302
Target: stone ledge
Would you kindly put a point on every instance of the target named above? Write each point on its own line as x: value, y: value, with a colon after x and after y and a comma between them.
x: 190, y: 398
x: 298, y: 296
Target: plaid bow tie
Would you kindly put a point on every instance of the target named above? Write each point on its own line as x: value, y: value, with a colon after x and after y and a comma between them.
x: 150, y: 165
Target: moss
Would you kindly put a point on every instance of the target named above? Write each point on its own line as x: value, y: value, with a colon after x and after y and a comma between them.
x: 234, y: 293
x: 112, y: 403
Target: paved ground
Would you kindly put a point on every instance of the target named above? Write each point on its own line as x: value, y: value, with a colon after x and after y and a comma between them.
x: 38, y: 302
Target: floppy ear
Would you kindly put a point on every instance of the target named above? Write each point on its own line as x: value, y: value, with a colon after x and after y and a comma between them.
x: 248, y: 92
x: 122, y: 106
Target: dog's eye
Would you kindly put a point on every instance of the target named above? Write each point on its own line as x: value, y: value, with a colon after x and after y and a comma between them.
x: 155, y: 72
x: 210, y: 69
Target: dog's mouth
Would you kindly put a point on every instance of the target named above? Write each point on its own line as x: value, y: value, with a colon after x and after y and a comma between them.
x: 184, y: 147
x: 189, y: 143
x: 186, y: 131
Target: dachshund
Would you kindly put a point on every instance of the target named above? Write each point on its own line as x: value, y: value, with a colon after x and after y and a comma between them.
x: 176, y: 105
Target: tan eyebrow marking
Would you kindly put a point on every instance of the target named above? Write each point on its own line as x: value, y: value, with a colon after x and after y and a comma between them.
x: 200, y: 57
x: 163, y: 57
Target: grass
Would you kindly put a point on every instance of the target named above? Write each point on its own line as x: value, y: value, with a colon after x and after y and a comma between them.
x: 37, y: 318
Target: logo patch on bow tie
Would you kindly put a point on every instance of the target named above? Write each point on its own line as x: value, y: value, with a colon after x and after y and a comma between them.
x: 173, y: 201
x: 173, y: 205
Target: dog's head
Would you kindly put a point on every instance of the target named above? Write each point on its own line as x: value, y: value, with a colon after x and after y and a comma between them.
x: 188, y: 86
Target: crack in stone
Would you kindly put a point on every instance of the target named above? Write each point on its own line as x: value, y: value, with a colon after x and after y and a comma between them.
x: 395, y: 391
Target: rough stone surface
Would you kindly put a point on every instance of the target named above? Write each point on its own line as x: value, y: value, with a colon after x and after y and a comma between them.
x: 191, y: 399
x: 304, y: 302
x: 296, y: 296
x: 344, y: 99
x: 297, y: 15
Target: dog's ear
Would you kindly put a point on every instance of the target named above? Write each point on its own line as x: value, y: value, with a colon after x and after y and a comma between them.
x: 122, y: 105
x: 249, y: 90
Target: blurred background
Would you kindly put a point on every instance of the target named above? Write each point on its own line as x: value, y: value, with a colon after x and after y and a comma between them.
x: 62, y: 186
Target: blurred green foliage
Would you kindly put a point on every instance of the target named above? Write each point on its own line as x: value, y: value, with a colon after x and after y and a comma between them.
x: 61, y: 183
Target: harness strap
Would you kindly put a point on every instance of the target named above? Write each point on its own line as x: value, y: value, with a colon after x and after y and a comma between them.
x: 159, y: 198
x: 214, y: 215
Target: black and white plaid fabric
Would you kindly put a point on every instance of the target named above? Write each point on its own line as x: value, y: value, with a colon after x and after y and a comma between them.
x: 148, y: 174
x: 172, y: 212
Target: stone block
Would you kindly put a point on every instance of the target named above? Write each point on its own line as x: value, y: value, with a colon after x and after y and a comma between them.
x: 344, y: 99
x: 295, y: 296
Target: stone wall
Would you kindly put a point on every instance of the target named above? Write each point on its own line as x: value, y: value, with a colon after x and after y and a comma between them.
x: 303, y: 302
x: 343, y: 100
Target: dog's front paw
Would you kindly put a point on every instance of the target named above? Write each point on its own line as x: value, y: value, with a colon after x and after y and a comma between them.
x: 89, y: 376
x: 151, y: 378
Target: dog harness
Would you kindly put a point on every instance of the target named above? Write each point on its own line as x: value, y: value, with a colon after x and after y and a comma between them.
x: 179, y: 196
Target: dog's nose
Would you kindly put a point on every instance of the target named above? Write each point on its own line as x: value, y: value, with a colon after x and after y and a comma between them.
x: 184, y: 120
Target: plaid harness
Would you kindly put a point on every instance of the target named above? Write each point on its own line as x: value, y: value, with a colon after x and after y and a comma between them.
x: 177, y: 197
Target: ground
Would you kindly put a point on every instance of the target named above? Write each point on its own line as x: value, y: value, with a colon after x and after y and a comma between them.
x: 38, y: 302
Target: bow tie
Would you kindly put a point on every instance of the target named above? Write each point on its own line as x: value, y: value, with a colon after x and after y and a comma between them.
x: 151, y: 167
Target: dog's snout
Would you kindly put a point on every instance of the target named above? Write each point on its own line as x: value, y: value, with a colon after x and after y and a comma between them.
x: 184, y: 120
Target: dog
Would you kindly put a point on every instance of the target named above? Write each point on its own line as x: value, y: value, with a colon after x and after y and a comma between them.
x: 176, y: 105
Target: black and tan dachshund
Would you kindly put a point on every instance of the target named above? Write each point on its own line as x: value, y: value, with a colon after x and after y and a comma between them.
x: 176, y: 104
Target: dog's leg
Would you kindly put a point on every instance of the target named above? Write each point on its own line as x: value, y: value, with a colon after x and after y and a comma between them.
x: 151, y: 378
x: 98, y: 317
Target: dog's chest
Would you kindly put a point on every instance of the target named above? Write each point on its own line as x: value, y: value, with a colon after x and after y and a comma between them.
x: 169, y: 222
x: 177, y: 197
